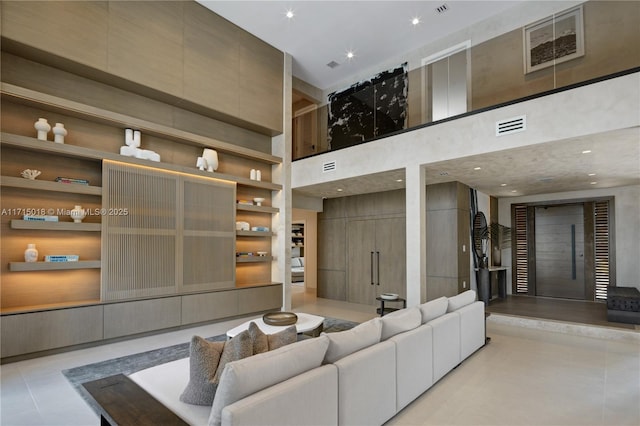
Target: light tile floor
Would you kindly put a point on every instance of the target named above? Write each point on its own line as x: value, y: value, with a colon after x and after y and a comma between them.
x: 523, y: 377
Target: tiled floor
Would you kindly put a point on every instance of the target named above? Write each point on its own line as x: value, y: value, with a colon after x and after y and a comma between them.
x: 523, y: 377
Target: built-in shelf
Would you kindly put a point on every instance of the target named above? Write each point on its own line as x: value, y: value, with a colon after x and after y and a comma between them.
x: 253, y: 259
x: 42, y: 185
x: 53, y: 266
x: 55, y: 226
x: 66, y: 150
x: 254, y: 234
x: 99, y: 115
x: 257, y: 209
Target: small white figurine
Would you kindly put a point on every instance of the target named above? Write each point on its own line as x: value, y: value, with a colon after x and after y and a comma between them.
x: 59, y: 132
x: 43, y: 127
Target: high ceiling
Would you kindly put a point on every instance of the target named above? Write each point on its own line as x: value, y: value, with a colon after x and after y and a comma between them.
x: 324, y: 31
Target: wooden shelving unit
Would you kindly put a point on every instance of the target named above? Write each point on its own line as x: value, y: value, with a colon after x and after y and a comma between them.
x: 53, y: 266
x: 256, y: 209
x: 18, y: 182
x: 55, y: 226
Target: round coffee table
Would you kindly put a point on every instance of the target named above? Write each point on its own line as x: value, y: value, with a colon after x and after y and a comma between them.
x: 306, y: 323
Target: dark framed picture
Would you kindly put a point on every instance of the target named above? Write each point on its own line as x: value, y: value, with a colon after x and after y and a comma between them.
x: 553, y: 40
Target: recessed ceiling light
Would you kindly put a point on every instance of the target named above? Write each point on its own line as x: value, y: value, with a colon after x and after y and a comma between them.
x: 290, y: 14
x: 503, y: 184
x: 398, y: 180
x: 514, y: 190
x: 586, y: 151
x: 591, y: 174
x: 350, y: 54
x: 339, y: 189
x: 477, y: 168
x: 415, y: 20
x: 593, y: 183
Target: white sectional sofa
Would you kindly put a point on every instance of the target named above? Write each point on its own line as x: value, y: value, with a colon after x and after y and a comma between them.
x: 362, y: 376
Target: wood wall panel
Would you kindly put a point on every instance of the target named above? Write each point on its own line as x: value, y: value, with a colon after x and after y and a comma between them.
x: 210, y: 306
x: 258, y: 299
x: 145, y: 44
x: 123, y: 319
x: 74, y: 30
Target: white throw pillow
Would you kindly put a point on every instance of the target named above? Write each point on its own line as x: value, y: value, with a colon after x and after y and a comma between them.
x: 301, y: 261
x: 463, y: 299
x: 295, y: 262
x: 433, y: 309
x: 347, y: 342
x: 399, y: 321
x: 250, y: 375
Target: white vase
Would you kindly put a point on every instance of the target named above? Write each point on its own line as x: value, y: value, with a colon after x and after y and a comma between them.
x: 258, y: 175
x: 43, y: 127
x: 211, y: 157
x: 77, y: 214
x: 252, y: 174
x: 31, y: 253
x: 59, y: 132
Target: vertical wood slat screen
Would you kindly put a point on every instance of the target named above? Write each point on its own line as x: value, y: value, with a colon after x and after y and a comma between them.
x: 602, y: 258
x: 144, y: 250
x: 521, y: 253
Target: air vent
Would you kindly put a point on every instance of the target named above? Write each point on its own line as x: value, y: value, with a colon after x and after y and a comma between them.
x: 512, y: 125
x: 442, y: 9
x: 329, y: 167
x: 332, y: 64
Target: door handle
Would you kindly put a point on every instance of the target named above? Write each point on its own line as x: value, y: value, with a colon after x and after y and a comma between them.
x: 372, y: 268
x: 378, y: 265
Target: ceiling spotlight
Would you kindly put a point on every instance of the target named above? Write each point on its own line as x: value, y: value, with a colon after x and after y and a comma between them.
x: 290, y: 14
x: 593, y: 183
x: 350, y: 54
x: 398, y: 180
x: 586, y: 151
x: 503, y: 184
x: 415, y: 20
x: 477, y: 168
x: 339, y: 189
x: 591, y: 174
x: 514, y: 190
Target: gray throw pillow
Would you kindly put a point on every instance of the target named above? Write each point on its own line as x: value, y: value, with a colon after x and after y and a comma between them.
x: 282, y: 338
x: 258, y: 338
x: 238, y: 347
x: 203, y: 363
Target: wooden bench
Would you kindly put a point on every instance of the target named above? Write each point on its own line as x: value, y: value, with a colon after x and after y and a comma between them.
x: 124, y: 403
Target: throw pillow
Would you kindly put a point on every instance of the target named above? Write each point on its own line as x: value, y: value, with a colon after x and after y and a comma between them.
x: 248, y: 376
x: 462, y: 299
x: 238, y: 347
x: 434, y: 309
x: 203, y: 363
x: 282, y: 338
x: 399, y: 321
x: 259, y: 340
x: 347, y: 342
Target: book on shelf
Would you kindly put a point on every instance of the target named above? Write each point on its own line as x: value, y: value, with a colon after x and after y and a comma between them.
x: 61, y: 258
x: 40, y: 218
x: 72, y: 180
x: 260, y: 228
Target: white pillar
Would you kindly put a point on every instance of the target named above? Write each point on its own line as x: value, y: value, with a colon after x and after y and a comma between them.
x: 281, y: 173
x: 416, y: 234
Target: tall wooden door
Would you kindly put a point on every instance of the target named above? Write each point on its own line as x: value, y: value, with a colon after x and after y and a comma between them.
x: 391, y: 256
x: 361, y: 253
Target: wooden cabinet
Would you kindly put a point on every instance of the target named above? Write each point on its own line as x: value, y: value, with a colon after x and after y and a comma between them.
x: 362, y: 246
x: 376, y: 259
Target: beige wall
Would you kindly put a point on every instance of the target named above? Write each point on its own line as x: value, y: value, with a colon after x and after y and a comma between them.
x: 179, y: 53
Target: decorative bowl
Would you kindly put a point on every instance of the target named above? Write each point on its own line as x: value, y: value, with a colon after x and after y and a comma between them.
x: 258, y: 201
x: 280, y: 318
x: 389, y: 296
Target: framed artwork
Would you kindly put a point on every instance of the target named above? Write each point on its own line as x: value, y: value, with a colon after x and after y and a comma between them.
x: 553, y: 40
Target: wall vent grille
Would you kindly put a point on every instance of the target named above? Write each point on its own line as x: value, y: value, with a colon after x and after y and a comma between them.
x: 442, y: 9
x: 329, y: 166
x: 511, y: 125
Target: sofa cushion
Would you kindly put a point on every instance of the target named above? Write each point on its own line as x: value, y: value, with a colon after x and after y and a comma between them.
x: 259, y: 340
x: 433, y: 309
x: 347, y: 342
x: 247, y: 376
x: 399, y: 321
x: 203, y: 363
x: 462, y: 299
x: 295, y: 262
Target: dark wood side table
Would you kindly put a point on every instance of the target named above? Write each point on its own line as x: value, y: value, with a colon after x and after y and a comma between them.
x: 385, y: 310
x: 125, y: 403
